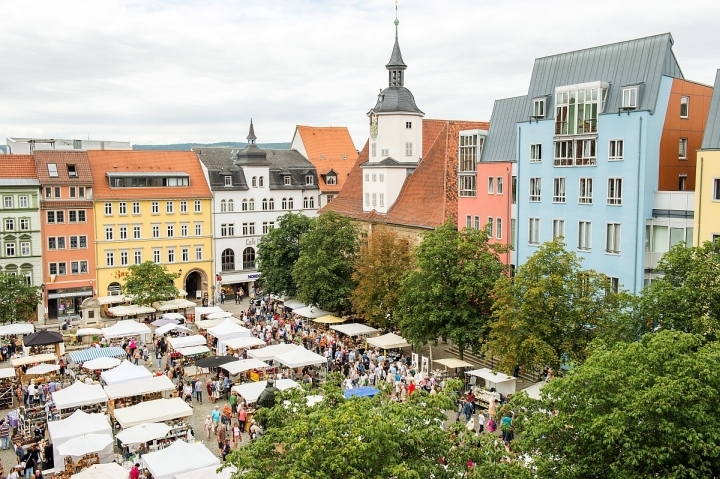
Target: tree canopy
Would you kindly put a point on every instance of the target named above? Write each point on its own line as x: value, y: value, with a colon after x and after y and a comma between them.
x: 640, y: 409
x: 279, y: 250
x: 551, y: 310
x: 384, y: 259
x: 149, y: 282
x: 18, y: 300
x: 449, y: 292
x: 323, y: 272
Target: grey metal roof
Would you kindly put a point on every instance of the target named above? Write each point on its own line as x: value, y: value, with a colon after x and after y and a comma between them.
x: 500, y: 141
x: 711, y: 139
x: 133, y: 174
x: 396, y: 60
x: 643, y: 60
x: 219, y: 164
x: 395, y: 99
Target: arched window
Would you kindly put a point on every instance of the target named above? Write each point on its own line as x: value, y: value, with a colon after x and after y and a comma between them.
x: 223, y: 206
x: 114, y: 289
x: 290, y: 203
x: 284, y: 203
x: 251, y: 205
x: 248, y: 258
x: 261, y: 181
x: 228, y: 260
x: 254, y: 181
x: 231, y: 205
x: 244, y: 205
x: 271, y: 204
x: 312, y: 201
x: 305, y: 202
x: 265, y: 204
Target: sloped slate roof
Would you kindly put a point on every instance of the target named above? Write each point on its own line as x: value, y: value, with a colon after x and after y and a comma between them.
x: 711, y: 139
x: 219, y: 164
x: 501, y: 138
x: 394, y: 99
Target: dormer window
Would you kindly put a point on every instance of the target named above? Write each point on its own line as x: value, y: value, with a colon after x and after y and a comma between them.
x: 629, y: 98
x: 577, y: 107
x: 309, y: 180
x: 52, y: 170
x: 538, y: 108
x: 331, y: 180
x: 228, y: 181
x: 287, y: 180
x: 72, y: 171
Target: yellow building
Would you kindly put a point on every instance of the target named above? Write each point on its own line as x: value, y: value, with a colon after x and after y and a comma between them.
x: 707, y: 186
x: 152, y: 206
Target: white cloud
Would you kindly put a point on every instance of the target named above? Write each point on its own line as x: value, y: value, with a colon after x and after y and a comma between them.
x: 159, y: 71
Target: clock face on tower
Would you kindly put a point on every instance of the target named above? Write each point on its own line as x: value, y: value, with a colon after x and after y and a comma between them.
x: 373, y: 126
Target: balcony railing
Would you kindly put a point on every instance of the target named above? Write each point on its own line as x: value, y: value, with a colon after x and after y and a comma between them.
x: 583, y: 127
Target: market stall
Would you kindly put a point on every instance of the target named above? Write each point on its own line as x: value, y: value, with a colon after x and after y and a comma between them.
x: 251, y: 391
x: 227, y: 330
x: 17, y: 329
x: 269, y: 352
x: 293, y: 304
x: 301, y: 357
x: 143, y: 433
x: 89, y: 354
x: 311, y: 312
x: 208, y: 473
x: 88, y: 398
x: 131, y: 310
x: 243, y: 343
x: 127, y: 328
x: 219, y: 315
x: 36, y: 359
x: 179, y: 458
x: 210, y: 323
x: 77, y: 425
x: 495, y: 383
x: 45, y: 341
x: 354, y: 329
x: 244, y: 365
x: 533, y: 391
x: 170, y: 411
x: 201, y: 311
x: 388, y: 341
x: 187, y: 341
x: 100, y: 364
x: 329, y: 319
x: 7, y: 389
x: 102, y: 471
x: 140, y: 390
x: 176, y: 328
x: 124, y: 373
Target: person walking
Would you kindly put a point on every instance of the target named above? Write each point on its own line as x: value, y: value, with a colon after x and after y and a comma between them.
x: 158, y: 357
x: 5, y: 434
x: 236, y: 434
x: 208, y: 427
x: 221, y: 435
x: 215, y: 417
x: 198, y: 390
x: 242, y: 417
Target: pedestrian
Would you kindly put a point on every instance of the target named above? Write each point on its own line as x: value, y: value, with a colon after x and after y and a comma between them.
x: 5, y: 434
x: 208, y: 388
x: 236, y: 434
x: 136, y: 357
x: 215, y: 417
x: 233, y: 402
x: 481, y: 423
x: 225, y: 449
x: 19, y: 452
x: 158, y: 357
x: 222, y: 297
x: 31, y: 459
x: 242, y: 417
x: 198, y: 390
x: 135, y: 471
x: 467, y: 410
x: 221, y: 435
x: 187, y: 392
x: 208, y: 427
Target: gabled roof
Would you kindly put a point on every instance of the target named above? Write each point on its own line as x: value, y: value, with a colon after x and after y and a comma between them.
x: 327, y: 148
x: 62, y: 159
x: 711, y: 139
x: 643, y: 60
x: 219, y: 164
x: 19, y: 167
x: 500, y: 141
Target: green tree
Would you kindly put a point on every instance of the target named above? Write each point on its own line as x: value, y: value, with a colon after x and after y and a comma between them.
x: 149, y: 282
x: 18, y: 301
x: 323, y: 272
x: 551, y: 310
x: 644, y: 409
x: 687, y: 297
x: 449, y: 293
x: 279, y: 250
x: 381, y: 264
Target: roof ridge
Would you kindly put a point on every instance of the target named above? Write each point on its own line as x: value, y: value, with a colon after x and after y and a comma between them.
x: 672, y: 42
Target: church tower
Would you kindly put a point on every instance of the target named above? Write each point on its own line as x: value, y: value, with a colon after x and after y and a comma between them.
x: 395, y: 138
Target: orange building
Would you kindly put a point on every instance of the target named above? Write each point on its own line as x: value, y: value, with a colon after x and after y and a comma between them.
x: 68, y: 240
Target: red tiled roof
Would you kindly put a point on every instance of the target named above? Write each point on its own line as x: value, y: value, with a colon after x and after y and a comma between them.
x: 62, y: 159
x: 329, y: 148
x: 428, y: 197
x: 17, y: 166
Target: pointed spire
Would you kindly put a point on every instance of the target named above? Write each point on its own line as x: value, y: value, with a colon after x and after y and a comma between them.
x: 396, y: 65
x: 251, y: 136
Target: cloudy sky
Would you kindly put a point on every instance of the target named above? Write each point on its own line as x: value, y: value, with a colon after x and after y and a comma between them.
x: 152, y: 71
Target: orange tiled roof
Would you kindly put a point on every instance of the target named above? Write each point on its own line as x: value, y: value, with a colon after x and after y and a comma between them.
x: 62, y: 159
x: 17, y: 166
x: 429, y: 196
x: 325, y: 148
x: 151, y: 161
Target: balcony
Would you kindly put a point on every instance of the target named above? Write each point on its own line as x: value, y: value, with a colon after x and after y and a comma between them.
x: 583, y: 127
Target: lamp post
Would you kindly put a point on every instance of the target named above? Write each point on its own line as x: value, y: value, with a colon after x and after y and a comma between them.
x: 213, y: 294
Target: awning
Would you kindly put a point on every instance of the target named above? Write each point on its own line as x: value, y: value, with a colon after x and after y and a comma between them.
x: 293, y: 304
x: 7, y: 373
x: 187, y: 341
x: 269, y: 352
x: 353, y: 329
x: 125, y: 328
x: 157, y: 410
x: 244, y: 343
x: 94, y: 353
x: 38, y: 358
x: 179, y: 458
x: 388, y: 341
x: 453, y: 363
x: 116, y: 299
x: 300, y: 357
x: 79, y: 394
x: 193, y: 350
x: 251, y: 391
x: 140, y: 387
x: 73, y: 294
x: 489, y: 375
x: 311, y: 312
x: 329, y: 319
x: 200, y: 310
x: 243, y: 365
x: 16, y: 328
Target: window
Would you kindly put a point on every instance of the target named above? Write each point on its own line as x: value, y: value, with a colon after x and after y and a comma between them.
x: 374, y: 199
x: 184, y: 230
x: 123, y: 232
x: 136, y: 207
x: 248, y: 258
x: 467, y: 185
x: 81, y: 192
x: 109, y: 258
x: 535, y: 189
x: 490, y: 226
x: 198, y: 253
x: 52, y: 242
x: 491, y: 185
x: 614, y: 195
x: 498, y: 228
x: 136, y: 232
x: 57, y: 192
x: 185, y: 254
x: 331, y: 180
x: 228, y: 181
x: 381, y: 199
x: 227, y: 229
x: 271, y: 204
x: 684, y: 104
x: 60, y: 217
x: 228, y: 260
x: 468, y: 221
x: 9, y: 249
x: 183, y: 207
x: 558, y: 190
x: 62, y: 268
x: 585, y: 152
x: 155, y: 231
x: 614, y: 284
x: 616, y: 150
x: 77, y: 144
x: 72, y: 192
x: 513, y: 187
x: 61, y: 242
x: 171, y: 255
x: 290, y: 203
x: 52, y: 170
x: 584, y: 235
x: 367, y: 199
x: 264, y: 204
x: 52, y: 267
x: 123, y: 258
x: 381, y: 177
x: 332, y: 197
x: 198, y: 229
x: 81, y: 216
x: 586, y: 185
x: 374, y: 149
x: 309, y: 180
x: 367, y: 177
x: 629, y: 97
x: 223, y: 206
x: 267, y: 226
x: 682, y: 180
x: 48, y: 192
x: 408, y: 125
x: 83, y: 241
x: 109, y: 233
x: 261, y: 182
x: 311, y: 200
x: 108, y: 209
x: 716, y: 189
x: 283, y: 204
x: 408, y: 148
x: 8, y: 201
x: 156, y: 256
x: 558, y: 228
x: 198, y: 207
x: 9, y: 224
x: 122, y: 208
x: 534, y: 231
x: 682, y: 154
x: 499, y: 185
x: 72, y: 216
x: 563, y: 153
x: 156, y: 207
x: 251, y: 205
x: 287, y: 180
x: 137, y: 256
x: 477, y: 223
x: 612, y: 238
x: 384, y: 152
x: 576, y: 110
x: 25, y: 248
x: 169, y: 205
x: 539, y: 107
x: 170, y: 231
x: 24, y: 224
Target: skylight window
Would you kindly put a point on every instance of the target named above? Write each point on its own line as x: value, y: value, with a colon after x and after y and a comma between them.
x: 52, y: 170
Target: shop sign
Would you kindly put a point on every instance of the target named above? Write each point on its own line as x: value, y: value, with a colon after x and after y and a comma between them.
x: 254, y: 276
x: 120, y: 274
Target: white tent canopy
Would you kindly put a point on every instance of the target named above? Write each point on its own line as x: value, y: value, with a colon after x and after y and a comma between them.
x: 124, y: 373
x: 42, y: 369
x: 85, y: 444
x: 79, y: 394
x: 177, y: 316
x: 7, y: 373
x: 77, y: 424
x: 132, y: 310
x: 453, y: 363
x: 311, y: 312
x: 157, y: 410
x: 353, y: 329
x: 388, y: 341
x: 101, y: 363
x: 186, y: 341
x: 294, y: 304
x: 300, y: 357
x: 173, y: 304
x: 180, y: 457
x: 200, y: 310
x: 211, y: 323
x: 270, y: 352
x: 243, y: 365
x: 17, y: 328
x: 140, y: 387
x: 88, y: 332
x: 163, y: 330
x: 228, y: 329
x: 502, y: 383
x: 534, y: 390
x: 219, y: 315
x: 143, y: 433
x: 251, y: 391
x: 38, y: 358
x: 208, y: 473
x: 193, y: 350
x: 244, y: 342
x: 116, y: 299
x: 125, y: 328
x: 102, y: 471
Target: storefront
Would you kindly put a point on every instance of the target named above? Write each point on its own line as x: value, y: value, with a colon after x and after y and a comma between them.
x: 231, y: 284
x: 65, y: 303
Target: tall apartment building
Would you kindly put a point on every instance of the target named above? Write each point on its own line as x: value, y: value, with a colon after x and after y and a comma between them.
x: 707, y: 196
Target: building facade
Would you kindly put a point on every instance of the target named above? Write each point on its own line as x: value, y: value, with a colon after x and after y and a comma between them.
x: 67, y: 231
x: 21, y: 244
x: 251, y: 189
x: 27, y: 146
x: 152, y: 206
x: 707, y: 197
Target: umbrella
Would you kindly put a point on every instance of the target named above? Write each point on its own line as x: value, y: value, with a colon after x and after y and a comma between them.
x: 42, y: 369
x: 214, y: 361
x: 42, y: 338
x: 363, y: 391
x: 103, y: 471
x: 85, y: 444
x: 143, y: 433
x: 101, y: 363
x: 164, y: 321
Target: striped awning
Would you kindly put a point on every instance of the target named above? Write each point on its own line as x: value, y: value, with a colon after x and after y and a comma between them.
x: 94, y: 353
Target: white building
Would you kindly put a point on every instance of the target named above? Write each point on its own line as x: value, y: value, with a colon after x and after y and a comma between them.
x: 27, y: 146
x: 251, y: 189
